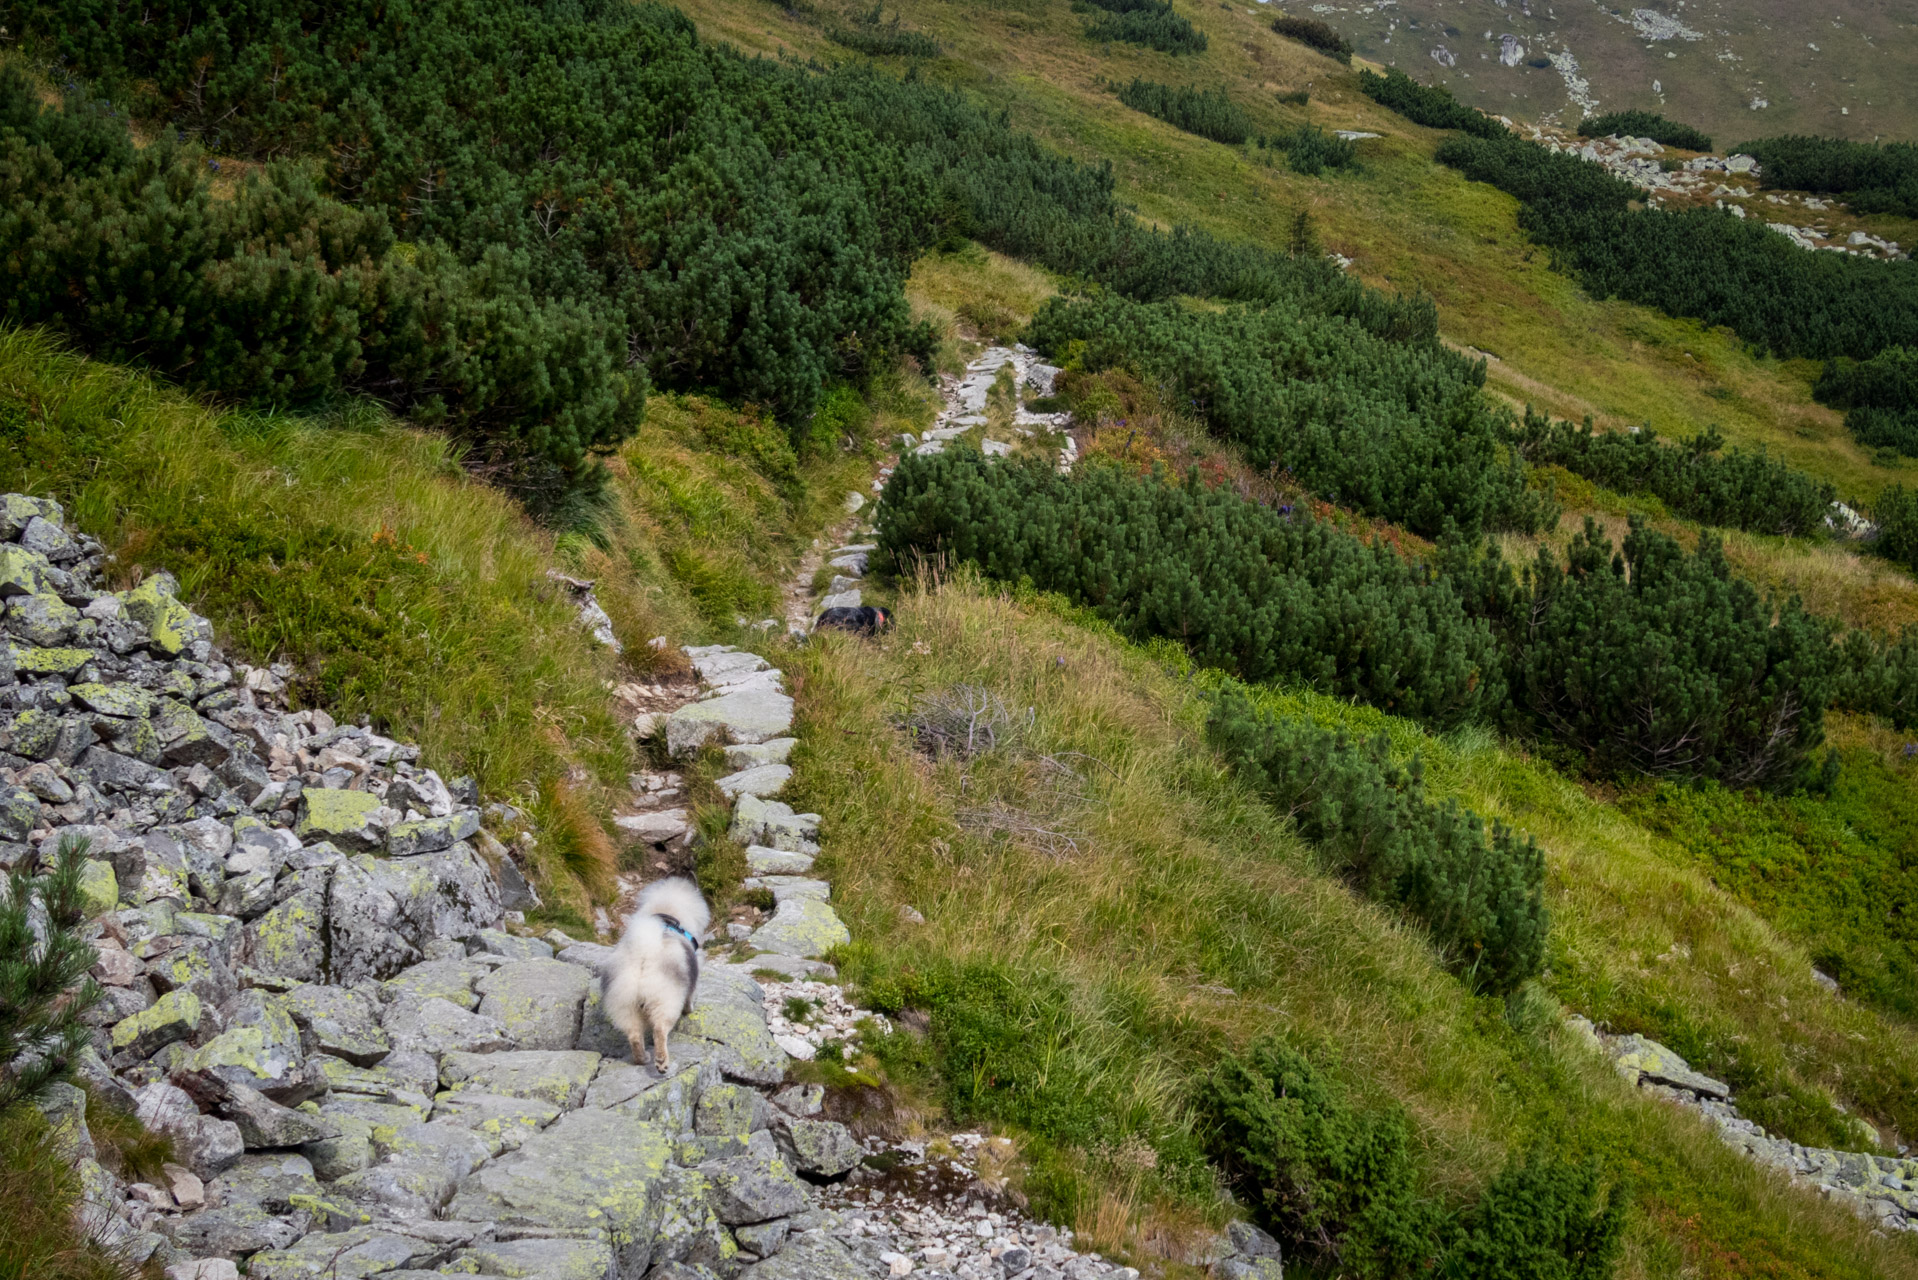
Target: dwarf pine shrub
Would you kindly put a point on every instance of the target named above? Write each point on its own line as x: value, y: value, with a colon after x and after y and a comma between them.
x: 1644, y: 124
x: 1480, y: 894
x: 44, y: 987
x: 1206, y: 112
x: 1738, y: 489
x: 1429, y: 105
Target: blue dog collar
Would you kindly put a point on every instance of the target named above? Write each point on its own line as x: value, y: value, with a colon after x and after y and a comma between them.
x: 677, y: 928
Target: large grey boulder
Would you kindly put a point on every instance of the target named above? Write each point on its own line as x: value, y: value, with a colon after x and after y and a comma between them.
x: 438, y: 1026
x: 729, y: 1013
x: 204, y: 1144
x: 382, y: 912
x: 448, y: 979
x: 590, y: 1172
x: 537, y: 1001
x: 426, y: 1164
x: 547, y: 1259
x: 753, y: 1188
x: 558, y: 1077
x: 824, y: 1148
x: 359, y: 1254
x: 774, y: 824
x: 288, y: 942
x: 338, y: 1021
x: 690, y: 1232
x: 811, y: 1256
x: 238, y: 1229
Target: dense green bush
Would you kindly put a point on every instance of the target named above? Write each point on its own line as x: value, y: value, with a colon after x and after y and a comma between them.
x: 1264, y: 593
x: 1658, y: 661
x: 1315, y: 33
x: 1896, y: 515
x: 1697, y: 262
x: 1148, y: 22
x: 1878, y: 676
x: 1397, y: 430
x: 869, y: 35
x: 44, y: 987
x: 1206, y: 112
x: 1434, y: 107
x: 1872, y: 178
x: 1737, y: 490
x: 1311, y: 150
x: 1337, y: 1184
x: 1644, y: 124
x: 1480, y: 895
x: 1880, y: 396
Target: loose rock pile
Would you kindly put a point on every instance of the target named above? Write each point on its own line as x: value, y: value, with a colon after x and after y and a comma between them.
x: 966, y: 398
x: 1880, y: 1187
x: 308, y: 986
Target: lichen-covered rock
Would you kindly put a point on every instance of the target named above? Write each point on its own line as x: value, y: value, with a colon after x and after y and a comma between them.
x: 812, y: 1256
x: 382, y: 911
x: 173, y: 1017
x: 260, y: 1049
x: 774, y: 824
x: 42, y: 619
x: 558, y: 1076
x: 338, y: 1021
x: 764, y: 861
x: 426, y: 1164
x: 1639, y: 1059
x: 99, y: 891
x: 358, y: 1254
x: 348, y: 819
x: 690, y: 1232
x: 289, y: 941
x: 347, y: 1151
x: 439, y: 1026
x: 430, y: 835
x: 753, y: 1188
x: 759, y: 781
x: 545, y: 1259
x: 204, y: 843
x: 197, y: 965
x: 497, y: 942
x: 729, y: 1109
x: 803, y: 927
x: 729, y: 1013
x: 537, y: 1001
x: 448, y: 979
x: 824, y: 1148
x: 385, y: 1119
x: 164, y: 869
x: 265, y: 1123
x: 170, y: 626
x: 504, y: 1122
x: 412, y: 1075
x: 590, y: 1171
x: 238, y: 1229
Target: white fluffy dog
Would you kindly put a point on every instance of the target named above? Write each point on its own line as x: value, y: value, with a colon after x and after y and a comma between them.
x: 649, y: 981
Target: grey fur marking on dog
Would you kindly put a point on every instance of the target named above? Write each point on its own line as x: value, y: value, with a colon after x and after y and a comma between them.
x: 649, y: 982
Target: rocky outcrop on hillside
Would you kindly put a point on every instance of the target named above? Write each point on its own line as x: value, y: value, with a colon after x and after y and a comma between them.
x: 1882, y: 1188
x: 318, y: 983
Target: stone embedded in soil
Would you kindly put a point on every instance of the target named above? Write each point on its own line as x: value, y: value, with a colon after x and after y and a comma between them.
x: 760, y: 781
x: 762, y: 860
x: 746, y: 716
x: 802, y: 927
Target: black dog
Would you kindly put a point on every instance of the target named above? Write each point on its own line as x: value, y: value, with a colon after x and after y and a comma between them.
x: 864, y: 621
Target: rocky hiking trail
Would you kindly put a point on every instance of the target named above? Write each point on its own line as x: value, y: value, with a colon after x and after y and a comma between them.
x: 319, y: 983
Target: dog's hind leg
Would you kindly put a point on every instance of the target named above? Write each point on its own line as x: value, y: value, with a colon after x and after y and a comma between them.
x: 662, y: 1030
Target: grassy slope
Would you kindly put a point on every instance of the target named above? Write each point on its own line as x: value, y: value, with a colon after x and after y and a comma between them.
x: 1184, y: 917
x: 1409, y: 223
x: 360, y: 552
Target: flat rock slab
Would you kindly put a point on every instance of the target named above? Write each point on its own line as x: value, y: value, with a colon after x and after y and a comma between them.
x: 812, y: 1256
x: 762, y: 860
x: 774, y: 824
x: 448, y: 979
x: 592, y: 1171
x: 784, y: 887
x: 760, y: 780
x: 746, y: 716
x: 751, y: 1188
x: 662, y: 826
x: 359, y: 1254
x: 536, y: 1001
x: 438, y: 1026
x: 507, y: 1122
x: 1640, y: 1059
x: 750, y: 755
x: 545, y: 1259
x: 558, y: 1076
x: 340, y: 1022
x: 803, y: 927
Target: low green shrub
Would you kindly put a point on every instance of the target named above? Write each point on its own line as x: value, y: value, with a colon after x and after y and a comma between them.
x: 1337, y: 1184
x: 1644, y: 124
x: 1737, y: 490
x: 1206, y: 112
x: 1434, y: 107
x: 1654, y: 660
x: 1153, y: 25
x: 1880, y: 395
x: 1479, y: 894
x: 1310, y: 31
x: 1869, y: 176
x: 1311, y: 150
x: 1393, y: 429
x: 869, y: 35
x: 1878, y: 676
x: 1896, y: 515
x: 1261, y: 592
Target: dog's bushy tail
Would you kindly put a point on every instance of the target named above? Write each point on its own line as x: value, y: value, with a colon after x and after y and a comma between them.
x: 679, y: 898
